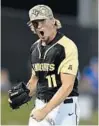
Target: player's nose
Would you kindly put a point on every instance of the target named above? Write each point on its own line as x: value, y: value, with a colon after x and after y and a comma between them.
x: 39, y: 25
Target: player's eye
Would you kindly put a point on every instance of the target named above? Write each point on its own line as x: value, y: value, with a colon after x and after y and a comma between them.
x: 35, y: 24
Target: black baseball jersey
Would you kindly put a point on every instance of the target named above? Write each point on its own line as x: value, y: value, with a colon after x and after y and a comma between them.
x: 60, y: 55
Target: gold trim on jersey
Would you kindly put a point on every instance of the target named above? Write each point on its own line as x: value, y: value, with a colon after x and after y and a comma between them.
x: 47, y: 49
x: 33, y: 72
x: 70, y: 63
x: 39, y: 51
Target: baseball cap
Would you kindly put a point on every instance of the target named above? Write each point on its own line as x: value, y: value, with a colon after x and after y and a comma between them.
x: 39, y: 12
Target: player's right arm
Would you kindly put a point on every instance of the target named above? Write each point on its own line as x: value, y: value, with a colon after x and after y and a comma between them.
x: 32, y: 83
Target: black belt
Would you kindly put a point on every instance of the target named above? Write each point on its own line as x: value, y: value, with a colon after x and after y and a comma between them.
x: 68, y: 101
x: 65, y: 101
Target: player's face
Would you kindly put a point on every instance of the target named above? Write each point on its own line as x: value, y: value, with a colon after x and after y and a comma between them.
x: 44, y: 28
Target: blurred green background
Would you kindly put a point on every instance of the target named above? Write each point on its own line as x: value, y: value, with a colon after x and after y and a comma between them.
x: 21, y: 116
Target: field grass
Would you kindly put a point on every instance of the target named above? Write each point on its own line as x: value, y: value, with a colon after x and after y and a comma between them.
x: 20, y: 116
x: 14, y: 117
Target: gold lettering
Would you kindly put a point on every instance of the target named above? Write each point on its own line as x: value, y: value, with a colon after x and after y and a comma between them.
x: 43, y: 67
x: 52, y: 67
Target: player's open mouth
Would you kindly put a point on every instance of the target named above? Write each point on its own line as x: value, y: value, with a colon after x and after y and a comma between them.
x: 42, y: 33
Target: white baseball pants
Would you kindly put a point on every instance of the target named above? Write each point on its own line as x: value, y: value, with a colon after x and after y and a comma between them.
x: 66, y: 114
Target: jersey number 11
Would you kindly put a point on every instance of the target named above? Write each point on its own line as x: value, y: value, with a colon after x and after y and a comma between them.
x: 51, y: 80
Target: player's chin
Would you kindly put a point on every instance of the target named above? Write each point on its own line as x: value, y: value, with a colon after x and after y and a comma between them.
x: 43, y: 38
x: 46, y: 39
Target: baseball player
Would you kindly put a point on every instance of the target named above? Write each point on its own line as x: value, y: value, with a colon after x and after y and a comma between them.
x: 54, y: 60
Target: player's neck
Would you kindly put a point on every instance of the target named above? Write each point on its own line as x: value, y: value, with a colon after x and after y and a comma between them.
x: 52, y: 36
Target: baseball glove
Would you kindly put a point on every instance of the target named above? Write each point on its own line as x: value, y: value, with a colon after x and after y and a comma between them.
x: 18, y: 95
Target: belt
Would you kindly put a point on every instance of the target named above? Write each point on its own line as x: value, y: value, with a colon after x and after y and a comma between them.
x: 65, y: 101
x: 68, y: 101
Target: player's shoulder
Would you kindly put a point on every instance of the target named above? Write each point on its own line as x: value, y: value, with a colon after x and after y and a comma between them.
x: 67, y: 43
x: 34, y: 45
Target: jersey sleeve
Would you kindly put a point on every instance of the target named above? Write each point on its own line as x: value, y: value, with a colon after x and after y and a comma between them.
x: 31, y: 49
x: 70, y: 63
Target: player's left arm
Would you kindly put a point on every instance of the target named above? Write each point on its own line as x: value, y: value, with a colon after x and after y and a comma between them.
x: 68, y: 70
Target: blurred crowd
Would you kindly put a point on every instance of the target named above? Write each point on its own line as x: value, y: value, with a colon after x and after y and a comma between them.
x: 88, y: 87
x: 5, y: 80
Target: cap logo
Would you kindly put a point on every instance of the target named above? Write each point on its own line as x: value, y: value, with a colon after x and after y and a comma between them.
x: 35, y: 12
